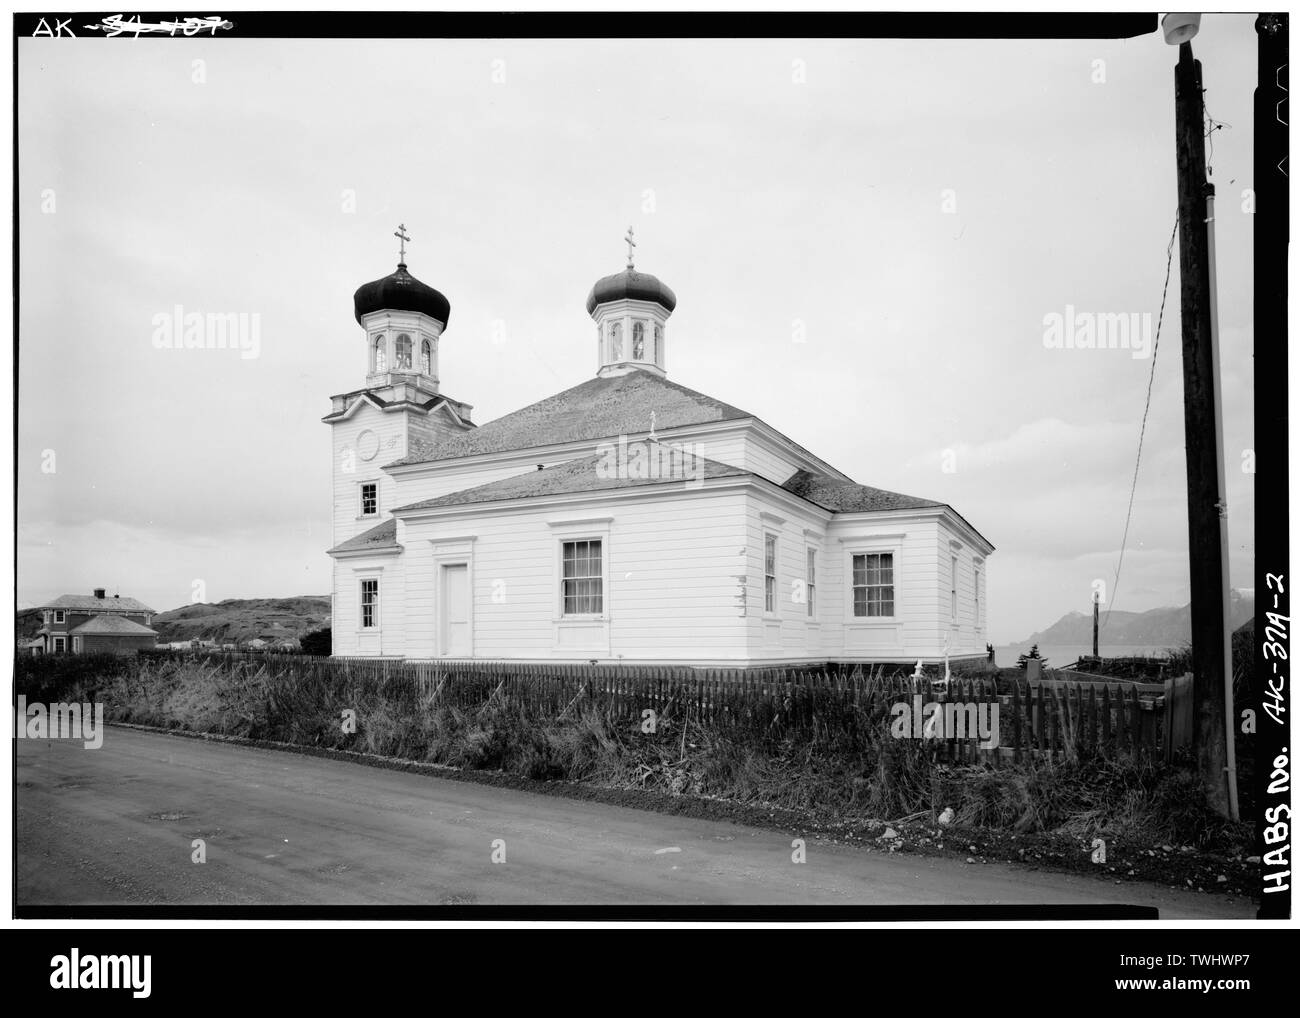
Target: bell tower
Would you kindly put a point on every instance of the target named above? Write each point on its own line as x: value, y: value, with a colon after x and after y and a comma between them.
x: 401, y: 410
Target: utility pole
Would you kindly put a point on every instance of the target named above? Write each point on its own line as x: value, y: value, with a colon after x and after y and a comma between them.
x: 1206, y: 499
x: 1096, y: 605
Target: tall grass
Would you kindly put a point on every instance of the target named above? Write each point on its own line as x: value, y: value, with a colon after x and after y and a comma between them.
x: 810, y: 749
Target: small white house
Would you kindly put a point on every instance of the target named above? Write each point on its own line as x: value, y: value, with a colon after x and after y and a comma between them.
x: 628, y: 518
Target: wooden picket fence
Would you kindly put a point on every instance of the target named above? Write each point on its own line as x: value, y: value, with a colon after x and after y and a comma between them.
x: 1047, y: 718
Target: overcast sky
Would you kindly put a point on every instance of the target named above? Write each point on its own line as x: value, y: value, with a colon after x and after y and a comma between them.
x: 776, y: 208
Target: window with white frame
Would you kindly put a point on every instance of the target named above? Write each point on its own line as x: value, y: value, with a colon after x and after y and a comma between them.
x: 59, y: 616
x: 812, y: 581
x: 60, y: 644
x: 953, y: 575
x: 370, y: 604
x: 370, y: 498
x: 769, y: 573
x: 76, y: 645
x: 873, y: 585
x: 582, y: 578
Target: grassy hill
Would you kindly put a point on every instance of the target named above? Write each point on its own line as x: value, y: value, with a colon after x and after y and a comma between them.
x: 237, y: 621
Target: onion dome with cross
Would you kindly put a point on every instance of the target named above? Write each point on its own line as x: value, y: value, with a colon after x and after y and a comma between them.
x: 402, y: 318
x: 631, y: 311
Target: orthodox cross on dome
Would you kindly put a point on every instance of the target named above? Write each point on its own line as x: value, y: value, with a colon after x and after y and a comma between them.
x: 400, y: 234
x: 630, y: 245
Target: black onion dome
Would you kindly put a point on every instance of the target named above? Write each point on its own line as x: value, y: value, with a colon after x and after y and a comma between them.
x: 631, y: 285
x: 400, y: 292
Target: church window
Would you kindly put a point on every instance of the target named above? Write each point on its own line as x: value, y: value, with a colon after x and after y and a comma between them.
x: 616, y: 341
x: 659, y: 345
x: 638, y: 341
x: 369, y: 604
x: 769, y: 572
x: 369, y: 499
x: 402, y: 355
x: 873, y: 585
x: 582, y: 583
x: 381, y: 354
x: 426, y: 357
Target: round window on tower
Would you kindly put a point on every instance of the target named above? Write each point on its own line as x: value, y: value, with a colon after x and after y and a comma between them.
x: 426, y: 357
x: 402, y: 355
x: 380, y: 357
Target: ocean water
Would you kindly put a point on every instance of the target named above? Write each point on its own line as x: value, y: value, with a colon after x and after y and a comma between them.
x: 1059, y: 655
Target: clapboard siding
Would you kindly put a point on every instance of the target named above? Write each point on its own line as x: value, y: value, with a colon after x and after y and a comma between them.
x: 348, y: 638
x: 669, y: 594
x: 966, y: 636
x: 349, y: 470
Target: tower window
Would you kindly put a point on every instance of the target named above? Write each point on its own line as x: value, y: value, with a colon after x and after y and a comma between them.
x: 369, y: 499
x: 659, y: 345
x: 638, y: 341
x: 616, y: 341
x: 426, y: 357
x: 381, y: 354
x: 402, y: 355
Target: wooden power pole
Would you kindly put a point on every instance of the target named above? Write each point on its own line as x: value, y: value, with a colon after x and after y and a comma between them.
x: 1096, y: 612
x: 1205, y: 500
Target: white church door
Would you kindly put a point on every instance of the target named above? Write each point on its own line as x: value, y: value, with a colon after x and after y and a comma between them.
x: 454, y: 635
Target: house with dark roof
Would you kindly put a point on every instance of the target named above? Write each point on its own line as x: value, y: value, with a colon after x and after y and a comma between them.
x: 627, y: 518
x: 95, y: 624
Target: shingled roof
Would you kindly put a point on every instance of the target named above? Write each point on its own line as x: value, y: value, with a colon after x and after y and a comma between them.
x: 375, y: 539
x: 88, y: 602
x: 112, y: 625
x: 565, y: 478
x: 598, y: 408
x: 846, y: 497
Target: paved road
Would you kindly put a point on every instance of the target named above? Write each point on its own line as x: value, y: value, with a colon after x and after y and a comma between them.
x: 116, y: 825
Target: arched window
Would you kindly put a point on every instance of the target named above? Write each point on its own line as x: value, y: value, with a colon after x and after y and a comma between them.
x: 426, y: 357
x: 402, y: 356
x: 616, y: 341
x: 659, y: 344
x: 638, y: 341
x: 381, y: 354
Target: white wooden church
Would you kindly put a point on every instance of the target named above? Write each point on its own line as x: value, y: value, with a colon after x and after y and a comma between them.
x: 628, y: 518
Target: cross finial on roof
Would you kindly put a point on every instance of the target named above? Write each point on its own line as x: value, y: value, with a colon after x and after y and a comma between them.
x: 400, y: 233
x: 630, y: 245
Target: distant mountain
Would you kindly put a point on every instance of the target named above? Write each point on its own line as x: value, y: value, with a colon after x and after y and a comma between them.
x: 1159, y: 627
x: 230, y: 621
